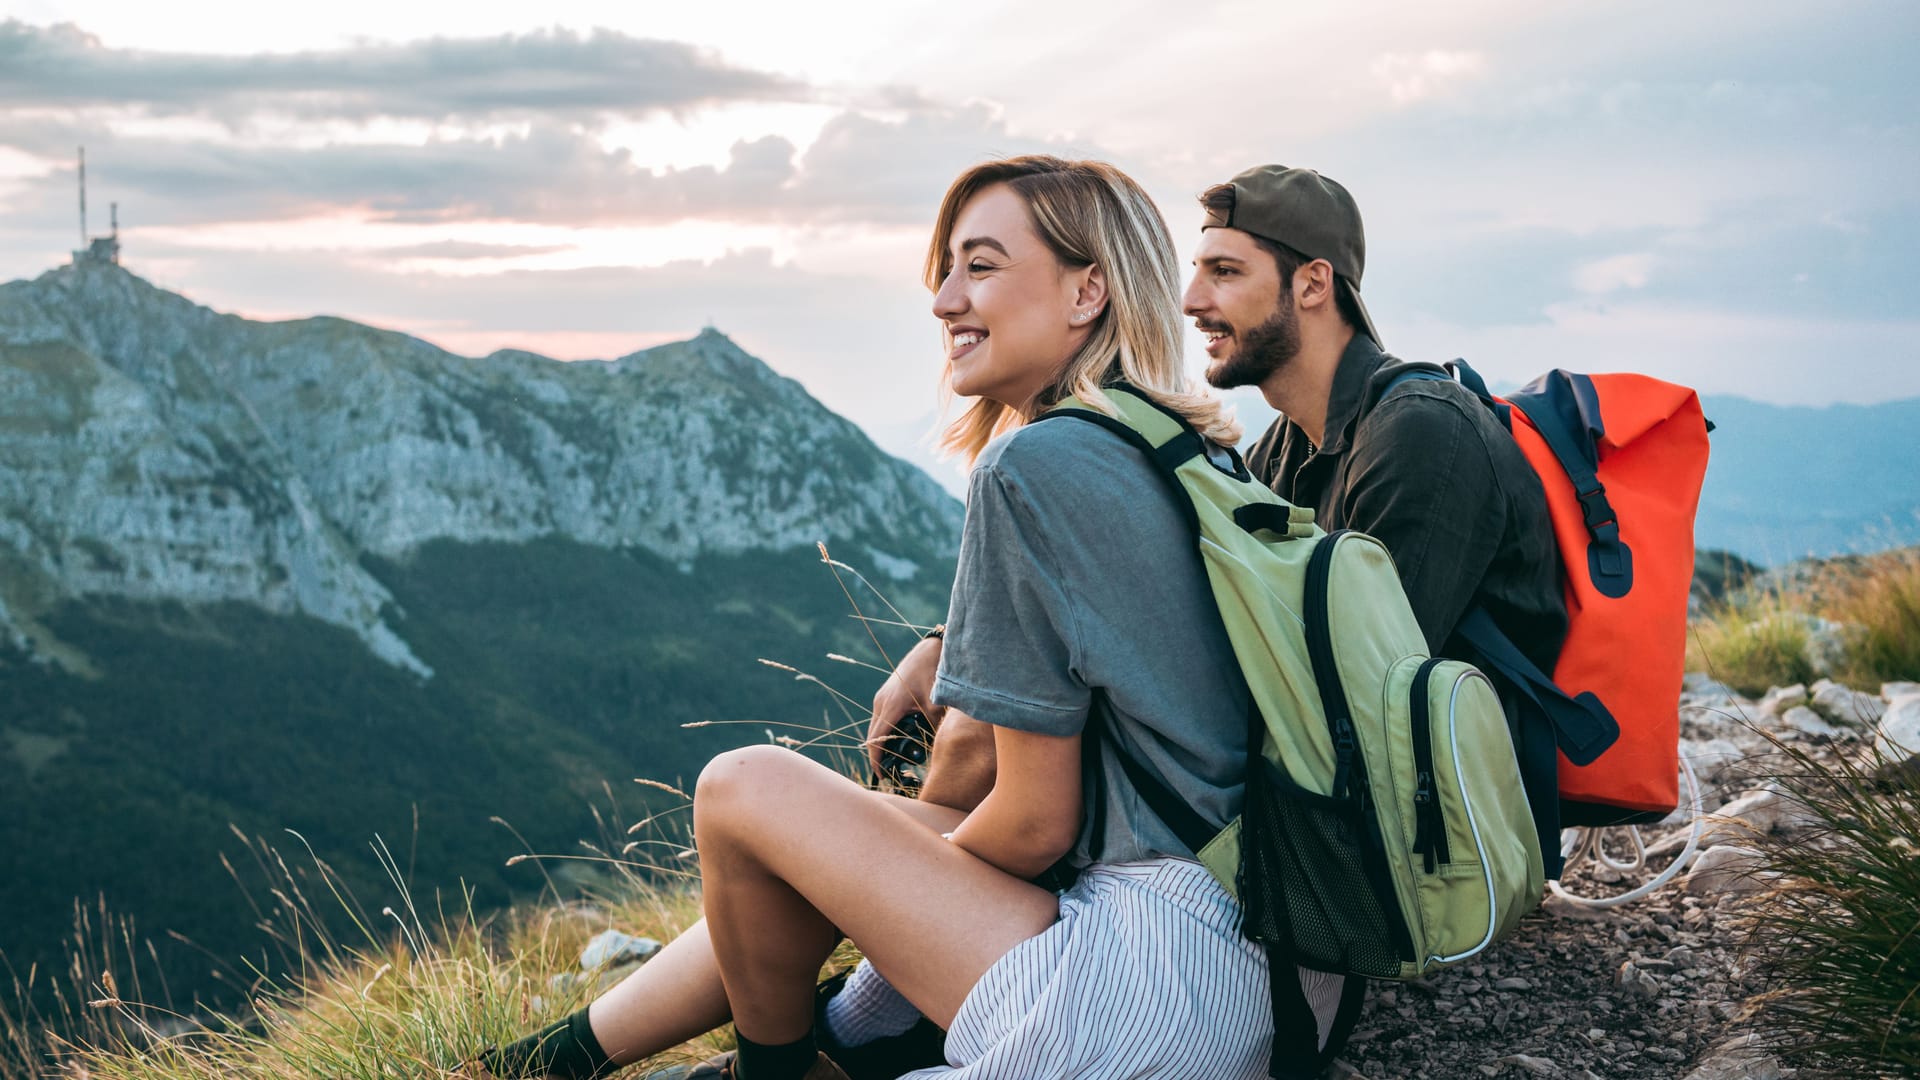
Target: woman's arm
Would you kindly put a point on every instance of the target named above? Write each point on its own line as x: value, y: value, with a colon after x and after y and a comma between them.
x: 1032, y: 815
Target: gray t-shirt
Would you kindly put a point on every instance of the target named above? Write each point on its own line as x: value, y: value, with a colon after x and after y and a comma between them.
x: 1079, y: 582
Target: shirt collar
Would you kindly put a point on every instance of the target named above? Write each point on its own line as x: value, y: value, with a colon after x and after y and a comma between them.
x: 1352, y: 386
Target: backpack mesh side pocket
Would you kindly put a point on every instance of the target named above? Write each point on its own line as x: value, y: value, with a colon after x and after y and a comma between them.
x: 1314, y: 881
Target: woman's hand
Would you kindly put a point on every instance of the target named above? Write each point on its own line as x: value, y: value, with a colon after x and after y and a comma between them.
x: 908, y: 689
x: 1032, y: 816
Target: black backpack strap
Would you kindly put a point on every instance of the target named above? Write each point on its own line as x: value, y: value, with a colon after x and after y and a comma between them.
x: 1185, y: 822
x: 1297, y: 1053
x: 1580, y: 727
x: 1565, y: 410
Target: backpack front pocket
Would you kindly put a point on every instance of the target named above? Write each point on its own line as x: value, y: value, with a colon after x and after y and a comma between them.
x: 1315, y: 880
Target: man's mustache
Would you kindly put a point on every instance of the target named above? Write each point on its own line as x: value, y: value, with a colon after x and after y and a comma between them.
x: 1205, y: 326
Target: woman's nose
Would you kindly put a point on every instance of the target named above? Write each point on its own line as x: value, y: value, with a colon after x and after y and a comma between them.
x: 950, y: 300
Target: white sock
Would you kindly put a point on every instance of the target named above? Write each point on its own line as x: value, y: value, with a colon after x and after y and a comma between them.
x: 868, y: 1008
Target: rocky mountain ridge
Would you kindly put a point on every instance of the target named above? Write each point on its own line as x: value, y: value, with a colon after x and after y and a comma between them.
x: 153, y: 449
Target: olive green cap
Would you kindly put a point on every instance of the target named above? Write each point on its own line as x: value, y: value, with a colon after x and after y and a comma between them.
x: 1307, y: 212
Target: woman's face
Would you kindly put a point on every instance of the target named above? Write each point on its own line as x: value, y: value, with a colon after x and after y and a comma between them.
x: 1013, y: 314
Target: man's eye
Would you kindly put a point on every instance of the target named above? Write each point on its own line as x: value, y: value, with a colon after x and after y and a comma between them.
x: 1222, y: 271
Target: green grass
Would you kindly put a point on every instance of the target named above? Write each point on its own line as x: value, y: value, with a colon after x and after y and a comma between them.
x: 1755, y: 639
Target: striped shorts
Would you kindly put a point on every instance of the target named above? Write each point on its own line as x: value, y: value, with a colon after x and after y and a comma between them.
x: 1145, y: 975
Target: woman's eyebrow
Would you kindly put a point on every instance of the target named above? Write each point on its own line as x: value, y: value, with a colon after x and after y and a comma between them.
x: 985, y: 242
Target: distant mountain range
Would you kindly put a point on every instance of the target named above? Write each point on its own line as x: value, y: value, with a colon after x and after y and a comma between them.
x: 1787, y: 482
x: 311, y: 575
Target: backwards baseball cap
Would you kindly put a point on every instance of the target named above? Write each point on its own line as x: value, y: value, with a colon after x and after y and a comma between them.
x: 1302, y: 210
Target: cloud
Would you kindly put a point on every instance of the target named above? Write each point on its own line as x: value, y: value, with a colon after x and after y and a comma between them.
x: 861, y: 168
x: 465, y: 249
x: 1413, y: 76
x: 1612, y: 274
x: 550, y: 71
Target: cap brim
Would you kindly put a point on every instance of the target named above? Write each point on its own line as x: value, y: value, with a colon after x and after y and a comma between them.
x: 1366, y: 321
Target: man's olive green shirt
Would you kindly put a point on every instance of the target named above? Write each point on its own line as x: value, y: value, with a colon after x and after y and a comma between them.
x: 1429, y: 472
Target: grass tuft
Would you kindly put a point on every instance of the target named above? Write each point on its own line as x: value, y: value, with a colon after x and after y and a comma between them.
x: 1838, y: 939
x: 1758, y: 637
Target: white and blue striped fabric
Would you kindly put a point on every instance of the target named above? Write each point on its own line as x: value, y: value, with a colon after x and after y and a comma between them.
x: 1145, y: 975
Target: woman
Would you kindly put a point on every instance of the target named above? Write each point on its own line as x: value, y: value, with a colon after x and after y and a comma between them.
x: 1081, y: 626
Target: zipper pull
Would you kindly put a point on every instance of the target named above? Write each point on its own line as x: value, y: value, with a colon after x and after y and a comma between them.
x: 1423, y: 815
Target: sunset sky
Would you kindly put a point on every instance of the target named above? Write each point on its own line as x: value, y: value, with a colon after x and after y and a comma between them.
x: 1717, y: 193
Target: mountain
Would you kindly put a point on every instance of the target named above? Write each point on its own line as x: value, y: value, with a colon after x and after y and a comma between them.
x: 315, y: 576
x: 1785, y: 482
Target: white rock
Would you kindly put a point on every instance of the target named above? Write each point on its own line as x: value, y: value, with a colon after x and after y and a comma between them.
x: 610, y: 947
x: 1728, y: 870
x: 1845, y: 706
x: 1893, y: 691
x: 1781, y: 698
x: 1711, y: 757
x: 1699, y: 687
x: 1635, y: 981
x: 1807, y: 722
x: 1738, y: 1059
x: 1757, y: 812
x: 1536, y: 1066
x: 1826, y: 648
x: 1898, y: 738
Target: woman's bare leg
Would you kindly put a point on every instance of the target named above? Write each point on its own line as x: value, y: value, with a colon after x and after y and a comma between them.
x: 789, y: 850
x: 678, y: 995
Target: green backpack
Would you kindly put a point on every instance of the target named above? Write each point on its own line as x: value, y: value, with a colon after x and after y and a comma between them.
x: 1385, y: 832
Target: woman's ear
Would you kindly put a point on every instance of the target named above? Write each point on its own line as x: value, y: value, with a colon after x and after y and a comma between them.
x: 1090, y: 296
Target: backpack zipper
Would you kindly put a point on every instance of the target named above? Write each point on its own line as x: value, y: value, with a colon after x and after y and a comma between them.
x: 1430, y: 832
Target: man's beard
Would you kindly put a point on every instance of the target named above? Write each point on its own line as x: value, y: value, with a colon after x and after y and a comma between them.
x: 1262, y: 350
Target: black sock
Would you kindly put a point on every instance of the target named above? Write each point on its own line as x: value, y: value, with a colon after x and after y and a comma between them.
x: 565, y: 1048
x: 788, y: 1061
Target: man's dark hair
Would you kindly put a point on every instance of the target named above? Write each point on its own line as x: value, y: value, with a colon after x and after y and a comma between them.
x: 1220, y: 197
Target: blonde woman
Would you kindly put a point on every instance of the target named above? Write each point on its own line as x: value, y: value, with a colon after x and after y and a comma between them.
x: 1081, y: 627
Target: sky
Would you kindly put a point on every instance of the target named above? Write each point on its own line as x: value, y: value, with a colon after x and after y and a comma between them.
x: 1721, y: 194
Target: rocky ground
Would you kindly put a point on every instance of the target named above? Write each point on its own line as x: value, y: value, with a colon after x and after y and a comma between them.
x: 1654, y: 989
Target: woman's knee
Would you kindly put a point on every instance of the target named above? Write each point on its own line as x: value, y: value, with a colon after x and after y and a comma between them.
x: 743, y: 784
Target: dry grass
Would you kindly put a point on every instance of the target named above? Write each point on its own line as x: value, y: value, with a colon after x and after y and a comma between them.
x: 416, y: 994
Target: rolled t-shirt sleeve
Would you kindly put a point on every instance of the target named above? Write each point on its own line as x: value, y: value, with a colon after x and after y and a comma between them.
x: 1012, y: 654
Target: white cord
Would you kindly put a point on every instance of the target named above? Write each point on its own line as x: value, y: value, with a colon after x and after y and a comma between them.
x: 1577, y: 842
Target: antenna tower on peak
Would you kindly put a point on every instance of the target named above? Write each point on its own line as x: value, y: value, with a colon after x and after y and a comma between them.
x: 98, y: 249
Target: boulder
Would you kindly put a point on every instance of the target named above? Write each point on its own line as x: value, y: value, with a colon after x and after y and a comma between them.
x: 1699, y: 688
x: 1898, y: 738
x: 1711, y: 758
x: 1737, y: 1059
x: 1807, y: 722
x: 1893, y: 691
x: 1826, y: 648
x: 611, y: 948
x: 1760, y: 811
x: 1843, y: 705
x: 1781, y: 698
x: 1728, y: 869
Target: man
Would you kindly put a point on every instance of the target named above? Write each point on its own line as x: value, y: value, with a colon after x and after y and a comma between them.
x: 1426, y: 469
x: 1422, y: 466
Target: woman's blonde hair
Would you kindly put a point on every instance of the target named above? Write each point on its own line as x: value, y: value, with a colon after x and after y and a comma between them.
x: 1089, y: 213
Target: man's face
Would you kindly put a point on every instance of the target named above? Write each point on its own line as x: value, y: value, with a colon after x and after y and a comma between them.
x: 1237, y: 299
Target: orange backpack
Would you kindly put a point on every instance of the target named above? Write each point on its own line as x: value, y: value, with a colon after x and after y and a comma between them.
x: 1622, y: 458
